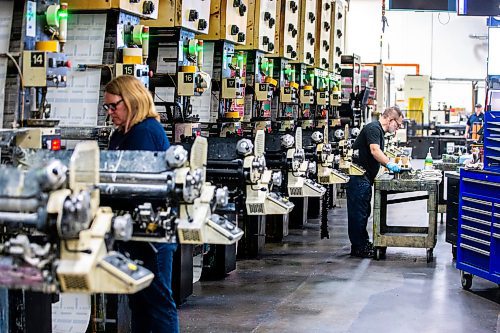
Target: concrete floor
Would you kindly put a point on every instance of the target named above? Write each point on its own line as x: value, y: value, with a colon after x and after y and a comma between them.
x: 310, y: 285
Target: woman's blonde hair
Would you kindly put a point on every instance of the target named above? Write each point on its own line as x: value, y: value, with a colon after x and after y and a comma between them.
x: 137, y: 99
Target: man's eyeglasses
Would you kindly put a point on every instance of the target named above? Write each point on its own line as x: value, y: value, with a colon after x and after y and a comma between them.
x: 111, y: 106
x: 400, y: 125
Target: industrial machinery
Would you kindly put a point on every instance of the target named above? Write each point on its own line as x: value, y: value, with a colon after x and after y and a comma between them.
x: 160, y: 193
x: 284, y: 153
x: 167, y: 200
x: 260, y: 84
x: 240, y: 164
x: 228, y: 88
x: 284, y: 107
x: 56, y: 233
x: 44, y: 65
x: 346, y: 152
x: 317, y: 147
x: 351, y: 90
x: 178, y: 79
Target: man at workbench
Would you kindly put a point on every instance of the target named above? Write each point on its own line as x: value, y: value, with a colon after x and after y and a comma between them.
x: 368, y: 153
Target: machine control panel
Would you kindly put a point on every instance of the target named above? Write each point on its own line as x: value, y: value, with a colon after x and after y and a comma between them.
x: 286, y: 95
x: 307, y: 32
x: 40, y: 138
x: 338, y: 48
x: 185, y: 84
x: 306, y: 96
x: 322, y: 98
x: 280, y: 200
x: 117, y: 264
x: 323, y: 31
x: 264, y: 25
x: 335, y: 98
x: 45, y: 69
x: 228, y: 21
x: 262, y: 92
x: 147, y: 9
x: 230, y: 88
x: 139, y: 71
x: 224, y: 225
x: 290, y: 28
x: 193, y: 15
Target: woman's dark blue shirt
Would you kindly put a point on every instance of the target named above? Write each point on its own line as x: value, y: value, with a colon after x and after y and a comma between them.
x: 146, y: 135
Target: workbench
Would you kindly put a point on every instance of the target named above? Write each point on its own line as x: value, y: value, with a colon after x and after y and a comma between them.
x: 403, y: 236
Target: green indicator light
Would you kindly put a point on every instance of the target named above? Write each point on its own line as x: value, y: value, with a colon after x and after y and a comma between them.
x: 199, y: 48
x: 192, y: 49
x: 51, y: 17
x: 63, y: 14
x: 145, y: 35
x: 264, y: 66
x: 288, y: 71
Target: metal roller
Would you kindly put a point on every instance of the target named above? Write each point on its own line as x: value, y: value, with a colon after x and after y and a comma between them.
x: 24, y: 219
x: 84, y: 133
x: 139, y: 190
x: 18, y: 204
x: 132, y: 178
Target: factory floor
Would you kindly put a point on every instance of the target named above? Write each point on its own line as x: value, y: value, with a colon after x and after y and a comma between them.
x: 306, y: 284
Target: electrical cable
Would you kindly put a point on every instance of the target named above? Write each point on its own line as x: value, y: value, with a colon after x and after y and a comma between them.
x: 439, y: 19
x: 20, y: 73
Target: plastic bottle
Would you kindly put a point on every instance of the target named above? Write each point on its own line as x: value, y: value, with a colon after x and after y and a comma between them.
x: 428, y: 160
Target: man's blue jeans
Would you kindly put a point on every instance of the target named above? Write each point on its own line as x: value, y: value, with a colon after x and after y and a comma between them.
x: 153, y: 308
x: 359, y: 196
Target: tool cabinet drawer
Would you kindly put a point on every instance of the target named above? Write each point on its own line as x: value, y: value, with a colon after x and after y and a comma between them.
x: 480, y: 182
x: 492, y: 141
x: 495, y: 249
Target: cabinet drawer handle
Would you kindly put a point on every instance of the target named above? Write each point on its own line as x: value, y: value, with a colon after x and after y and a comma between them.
x: 474, y: 239
x: 473, y: 219
x: 476, y: 210
x: 487, y: 203
x: 482, y: 182
x: 472, y: 248
x: 479, y: 231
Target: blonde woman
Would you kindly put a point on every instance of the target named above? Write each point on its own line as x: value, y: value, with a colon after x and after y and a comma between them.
x: 131, y: 108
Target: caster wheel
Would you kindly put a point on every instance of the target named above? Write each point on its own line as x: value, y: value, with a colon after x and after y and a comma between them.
x: 380, y: 253
x: 454, y: 251
x: 466, y: 280
x: 430, y: 255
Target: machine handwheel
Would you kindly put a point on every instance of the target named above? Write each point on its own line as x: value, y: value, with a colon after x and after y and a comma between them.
x: 430, y: 255
x: 466, y: 280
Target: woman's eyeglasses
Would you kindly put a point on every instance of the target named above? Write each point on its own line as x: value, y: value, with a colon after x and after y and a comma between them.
x: 111, y: 106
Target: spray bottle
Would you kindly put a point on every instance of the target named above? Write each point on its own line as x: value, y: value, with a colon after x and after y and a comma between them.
x: 428, y: 160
